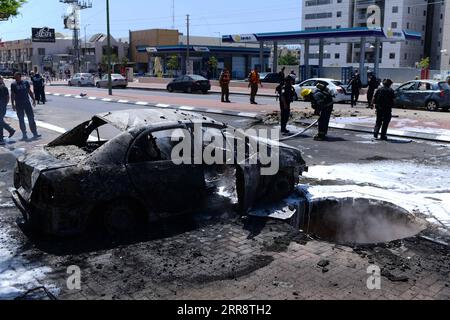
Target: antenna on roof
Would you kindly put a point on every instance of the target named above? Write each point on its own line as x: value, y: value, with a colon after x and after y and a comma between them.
x: 72, y: 22
x: 173, y: 14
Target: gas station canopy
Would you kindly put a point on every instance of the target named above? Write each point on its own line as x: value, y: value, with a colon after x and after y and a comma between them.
x: 322, y: 37
x: 327, y: 36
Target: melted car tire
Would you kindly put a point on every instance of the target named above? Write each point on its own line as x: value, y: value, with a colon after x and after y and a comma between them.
x: 121, y: 218
x: 282, y: 186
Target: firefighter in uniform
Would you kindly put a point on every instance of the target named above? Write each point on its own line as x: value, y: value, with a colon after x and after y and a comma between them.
x: 254, y: 81
x: 224, y: 80
x: 322, y: 102
x: 384, y: 101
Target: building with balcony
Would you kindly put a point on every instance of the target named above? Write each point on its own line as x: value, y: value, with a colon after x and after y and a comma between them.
x: 398, y: 15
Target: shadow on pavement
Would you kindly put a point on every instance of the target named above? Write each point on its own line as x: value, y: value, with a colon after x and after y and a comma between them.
x: 98, y: 239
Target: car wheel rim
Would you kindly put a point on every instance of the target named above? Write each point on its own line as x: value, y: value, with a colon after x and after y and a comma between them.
x: 432, y: 106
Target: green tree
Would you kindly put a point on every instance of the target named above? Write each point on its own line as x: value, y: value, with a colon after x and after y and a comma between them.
x: 173, y: 64
x: 424, y: 63
x: 114, y: 59
x: 10, y: 8
x: 288, y: 60
x: 125, y: 61
x: 212, y: 64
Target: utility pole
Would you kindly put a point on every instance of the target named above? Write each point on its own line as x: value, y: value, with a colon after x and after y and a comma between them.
x: 72, y: 21
x: 108, y: 28
x: 188, y: 44
x: 85, y: 46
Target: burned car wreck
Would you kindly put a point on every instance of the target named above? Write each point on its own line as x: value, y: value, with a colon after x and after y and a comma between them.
x: 81, y: 179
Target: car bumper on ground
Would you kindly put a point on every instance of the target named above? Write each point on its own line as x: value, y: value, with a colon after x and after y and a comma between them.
x: 22, y: 205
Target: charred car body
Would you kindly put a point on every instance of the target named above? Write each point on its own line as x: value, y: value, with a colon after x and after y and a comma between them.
x: 130, y: 180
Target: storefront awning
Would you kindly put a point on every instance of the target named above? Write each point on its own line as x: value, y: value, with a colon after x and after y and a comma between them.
x: 201, y: 49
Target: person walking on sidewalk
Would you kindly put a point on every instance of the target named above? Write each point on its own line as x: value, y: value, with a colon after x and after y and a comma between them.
x: 224, y: 80
x: 4, y: 100
x: 373, y: 86
x: 356, y: 84
x: 384, y: 102
x: 20, y: 99
x: 287, y: 93
x: 254, y: 81
x: 323, y: 99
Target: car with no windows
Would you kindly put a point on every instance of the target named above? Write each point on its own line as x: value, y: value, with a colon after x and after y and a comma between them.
x: 119, y: 169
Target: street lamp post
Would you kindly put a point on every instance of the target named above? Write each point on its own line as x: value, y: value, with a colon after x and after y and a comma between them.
x: 109, y: 48
x: 85, y: 46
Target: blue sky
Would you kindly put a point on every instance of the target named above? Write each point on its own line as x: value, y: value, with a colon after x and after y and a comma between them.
x: 208, y: 17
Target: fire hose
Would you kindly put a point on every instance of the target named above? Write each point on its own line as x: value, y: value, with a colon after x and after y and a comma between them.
x: 299, y: 133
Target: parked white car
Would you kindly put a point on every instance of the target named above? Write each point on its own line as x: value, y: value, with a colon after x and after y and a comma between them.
x: 342, y: 92
x: 118, y: 81
x: 82, y: 79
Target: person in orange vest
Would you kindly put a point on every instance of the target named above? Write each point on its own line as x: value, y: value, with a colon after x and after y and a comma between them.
x: 254, y: 80
x: 224, y: 80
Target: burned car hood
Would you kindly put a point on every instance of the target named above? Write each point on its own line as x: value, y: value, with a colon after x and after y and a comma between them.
x: 43, y: 160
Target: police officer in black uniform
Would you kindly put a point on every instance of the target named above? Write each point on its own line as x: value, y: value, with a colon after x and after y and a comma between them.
x: 38, y: 87
x: 384, y: 101
x: 322, y: 98
x: 287, y: 93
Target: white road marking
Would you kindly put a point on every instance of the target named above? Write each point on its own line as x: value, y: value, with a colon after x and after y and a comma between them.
x: 11, y: 114
x: 186, y: 108
x: 160, y: 105
x: 246, y: 114
x: 106, y: 99
x: 92, y: 98
x: 123, y: 101
x: 141, y: 103
x: 67, y: 95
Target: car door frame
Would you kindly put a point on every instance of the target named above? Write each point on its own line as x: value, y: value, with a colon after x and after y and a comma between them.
x: 408, y: 94
x: 176, y: 83
x: 164, y: 165
x: 423, y: 96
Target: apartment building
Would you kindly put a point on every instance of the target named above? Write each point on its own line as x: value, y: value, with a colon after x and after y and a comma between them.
x: 396, y: 15
x: 437, y: 41
x: 328, y: 14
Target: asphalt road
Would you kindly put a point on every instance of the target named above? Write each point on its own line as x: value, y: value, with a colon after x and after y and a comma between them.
x: 211, y: 96
x: 343, y: 147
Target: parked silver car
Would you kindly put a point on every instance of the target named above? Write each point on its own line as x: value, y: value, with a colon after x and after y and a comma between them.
x: 430, y: 94
x: 81, y: 79
x: 118, y: 81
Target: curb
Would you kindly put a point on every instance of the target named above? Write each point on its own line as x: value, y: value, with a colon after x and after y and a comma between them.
x: 251, y: 115
x: 162, y: 89
x: 391, y: 132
